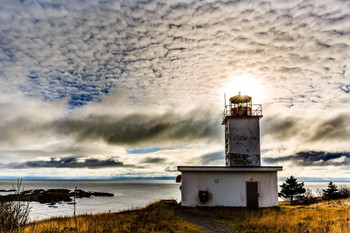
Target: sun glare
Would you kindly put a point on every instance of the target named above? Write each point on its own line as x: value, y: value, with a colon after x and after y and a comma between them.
x: 247, y: 85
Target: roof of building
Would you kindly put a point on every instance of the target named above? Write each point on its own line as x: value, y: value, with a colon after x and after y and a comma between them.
x: 228, y: 169
x: 240, y: 99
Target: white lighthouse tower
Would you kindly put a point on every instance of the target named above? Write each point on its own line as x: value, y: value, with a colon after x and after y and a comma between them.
x: 243, y: 182
x: 242, y: 131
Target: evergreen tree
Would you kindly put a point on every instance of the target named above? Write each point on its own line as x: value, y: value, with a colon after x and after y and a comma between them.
x: 331, y: 192
x: 291, y: 188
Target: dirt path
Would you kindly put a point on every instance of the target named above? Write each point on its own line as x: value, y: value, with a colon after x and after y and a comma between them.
x: 205, y: 224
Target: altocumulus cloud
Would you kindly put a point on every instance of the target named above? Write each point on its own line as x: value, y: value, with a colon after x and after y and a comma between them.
x: 174, y: 49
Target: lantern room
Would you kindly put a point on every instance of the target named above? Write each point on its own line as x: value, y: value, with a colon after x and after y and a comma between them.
x: 241, y: 105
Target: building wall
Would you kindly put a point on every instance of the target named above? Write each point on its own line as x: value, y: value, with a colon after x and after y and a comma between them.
x: 228, y: 188
x: 242, y: 141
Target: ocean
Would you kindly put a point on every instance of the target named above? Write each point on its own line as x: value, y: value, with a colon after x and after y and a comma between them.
x: 128, y: 194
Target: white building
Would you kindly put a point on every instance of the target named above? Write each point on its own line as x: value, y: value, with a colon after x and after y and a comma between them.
x: 243, y: 182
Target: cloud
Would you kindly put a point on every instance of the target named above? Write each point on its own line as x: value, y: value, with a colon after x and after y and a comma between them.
x: 95, y: 77
x: 67, y: 162
x: 308, y: 129
x: 210, y: 158
x: 156, y: 160
x: 281, y: 128
x: 314, y: 158
x: 140, y: 128
x: 170, y: 49
x: 336, y: 128
x: 132, y: 129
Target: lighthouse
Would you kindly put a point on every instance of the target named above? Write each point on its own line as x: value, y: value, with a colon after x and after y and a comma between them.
x: 242, y: 181
x: 242, y: 131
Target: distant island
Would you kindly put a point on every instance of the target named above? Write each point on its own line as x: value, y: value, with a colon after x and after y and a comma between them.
x: 50, y: 196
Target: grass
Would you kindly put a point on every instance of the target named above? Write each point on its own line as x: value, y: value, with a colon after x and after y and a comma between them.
x: 157, y: 217
x: 324, y: 216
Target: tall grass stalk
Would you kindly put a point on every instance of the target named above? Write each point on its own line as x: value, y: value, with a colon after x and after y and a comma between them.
x: 14, y: 215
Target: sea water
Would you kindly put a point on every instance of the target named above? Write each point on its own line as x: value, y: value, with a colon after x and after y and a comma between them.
x: 128, y: 194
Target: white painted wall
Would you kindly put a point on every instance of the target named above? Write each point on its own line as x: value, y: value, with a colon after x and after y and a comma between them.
x: 230, y: 190
x: 243, y: 140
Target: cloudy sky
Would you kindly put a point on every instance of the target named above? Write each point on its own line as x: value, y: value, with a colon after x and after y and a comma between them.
x: 104, y: 89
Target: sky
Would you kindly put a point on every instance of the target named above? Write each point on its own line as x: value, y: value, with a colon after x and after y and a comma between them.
x: 102, y: 89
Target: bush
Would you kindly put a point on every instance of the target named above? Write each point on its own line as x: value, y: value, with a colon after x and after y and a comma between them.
x: 331, y: 192
x: 344, y: 192
x: 309, y: 197
x: 291, y: 189
x: 14, y: 215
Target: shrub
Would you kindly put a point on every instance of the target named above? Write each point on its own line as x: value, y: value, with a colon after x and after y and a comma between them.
x: 331, y: 192
x: 309, y: 197
x: 14, y: 215
x: 292, y: 188
x: 344, y: 192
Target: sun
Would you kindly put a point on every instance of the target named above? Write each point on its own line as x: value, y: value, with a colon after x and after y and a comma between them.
x: 246, y: 85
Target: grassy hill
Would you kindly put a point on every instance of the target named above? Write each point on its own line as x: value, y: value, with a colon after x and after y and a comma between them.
x: 157, y: 217
x: 325, y: 216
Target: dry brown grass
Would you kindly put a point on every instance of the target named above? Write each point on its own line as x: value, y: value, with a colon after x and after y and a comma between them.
x: 157, y: 217
x: 326, y: 216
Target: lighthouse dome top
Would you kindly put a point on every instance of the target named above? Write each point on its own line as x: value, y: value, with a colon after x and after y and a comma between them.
x: 240, y: 99
x: 241, y: 106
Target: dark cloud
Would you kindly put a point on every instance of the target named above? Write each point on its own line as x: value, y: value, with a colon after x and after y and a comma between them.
x: 308, y: 129
x: 313, y: 158
x: 141, y: 128
x: 218, y: 157
x: 67, y: 162
x: 62, y: 148
x: 153, y: 160
x: 282, y: 128
x: 132, y: 129
x: 337, y: 128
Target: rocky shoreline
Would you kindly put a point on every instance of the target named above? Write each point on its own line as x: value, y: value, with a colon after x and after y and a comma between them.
x: 51, y: 196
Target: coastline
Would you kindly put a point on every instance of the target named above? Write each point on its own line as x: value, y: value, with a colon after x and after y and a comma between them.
x: 127, y: 195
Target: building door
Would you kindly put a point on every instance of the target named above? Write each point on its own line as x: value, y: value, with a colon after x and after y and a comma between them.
x: 252, y: 195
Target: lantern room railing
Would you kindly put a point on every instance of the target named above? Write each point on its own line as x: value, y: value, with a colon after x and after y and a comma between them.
x: 242, y: 111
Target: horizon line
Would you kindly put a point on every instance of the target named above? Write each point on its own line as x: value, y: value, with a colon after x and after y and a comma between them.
x: 301, y: 179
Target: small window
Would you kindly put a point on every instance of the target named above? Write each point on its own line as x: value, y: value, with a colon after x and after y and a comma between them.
x: 216, y: 181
